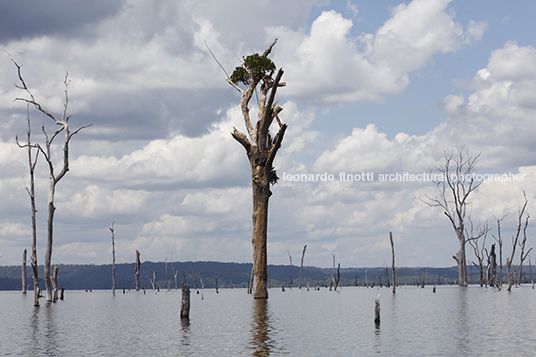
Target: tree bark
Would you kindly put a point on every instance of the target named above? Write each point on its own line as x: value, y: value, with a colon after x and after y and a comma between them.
x: 492, y: 267
x: 54, y: 281
x: 137, y: 270
x: 509, y: 271
x: 112, y: 230
x: 23, y: 268
x: 461, y: 262
x: 392, y: 261
x: 185, y: 302
x: 301, y: 266
x: 261, y: 150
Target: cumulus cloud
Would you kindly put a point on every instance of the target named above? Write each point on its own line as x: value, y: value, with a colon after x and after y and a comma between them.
x: 372, y: 65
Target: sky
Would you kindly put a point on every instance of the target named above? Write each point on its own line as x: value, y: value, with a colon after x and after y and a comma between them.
x: 377, y: 87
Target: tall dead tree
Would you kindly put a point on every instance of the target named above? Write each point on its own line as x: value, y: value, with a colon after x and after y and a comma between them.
x: 290, y: 258
x: 62, y: 125
x: 392, y: 261
x: 32, y: 162
x: 23, y: 268
x: 454, y: 187
x: 509, y: 269
x: 492, y: 268
x: 112, y: 230
x: 478, y: 247
x: 301, y: 265
x: 500, y: 242
x: 137, y: 270
x: 523, y: 255
x: 257, y: 72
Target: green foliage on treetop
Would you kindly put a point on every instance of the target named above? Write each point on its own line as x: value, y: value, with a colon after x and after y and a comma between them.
x: 254, y: 66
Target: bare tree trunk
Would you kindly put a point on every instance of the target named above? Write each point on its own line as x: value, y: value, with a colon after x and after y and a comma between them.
x: 377, y: 311
x: 492, y: 267
x: 137, y: 270
x: 113, y: 258
x: 290, y: 258
x: 392, y: 261
x: 23, y: 268
x: 301, y: 266
x: 63, y: 125
x: 261, y: 150
x: 185, y: 302
x: 461, y: 262
x: 167, y: 279
x: 523, y: 255
x: 31, y: 192
x: 54, y: 281
x: 509, y: 271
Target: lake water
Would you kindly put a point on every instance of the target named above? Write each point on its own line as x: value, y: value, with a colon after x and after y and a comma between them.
x: 453, y: 321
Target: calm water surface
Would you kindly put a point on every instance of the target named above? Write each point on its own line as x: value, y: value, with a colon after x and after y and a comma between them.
x: 414, y: 322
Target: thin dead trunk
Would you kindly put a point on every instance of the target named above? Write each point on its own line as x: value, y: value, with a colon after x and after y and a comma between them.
x: 31, y: 192
x: 523, y: 255
x: 112, y: 230
x: 167, y: 278
x: 492, y: 267
x: 392, y: 261
x: 137, y: 270
x: 510, y: 271
x: 301, y: 266
x: 461, y: 261
x: 23, y: 268
x: 290, y: 258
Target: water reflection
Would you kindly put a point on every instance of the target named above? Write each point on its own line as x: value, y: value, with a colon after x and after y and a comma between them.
x: 51, y: 330
x: 262, y: 340
x: 185, y: 328
x: 462, y: 324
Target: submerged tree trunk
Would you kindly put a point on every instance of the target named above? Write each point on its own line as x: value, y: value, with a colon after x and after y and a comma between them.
x: 185, y: 302
x: 137, y: 270
x: 54, y: 281
x: 460, y: 260
x: 113, y: 258
x: 492, y: 267
x: 23, y: 268
x: 392, y: 260
x: 301, y: 266
x: 261, y: 148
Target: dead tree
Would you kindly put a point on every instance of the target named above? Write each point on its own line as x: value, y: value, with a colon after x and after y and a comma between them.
x: 112, y: 230
x: 301, y: 266
x: 492, y: 268
x: 23, y: 271
x: 54, y: 279
x: 478, y: 249
x: 137, y: 270
x: 167, y: 278
x: 510, y: 271
x: 185, y: 301
x: 290, y: 258
x: 32, y: 162
x: 499, y: 240
x: 455, y: 185
x: 257, y: 71
x: 62, y: 125
x: 523, y: 255
x: 392, y: 261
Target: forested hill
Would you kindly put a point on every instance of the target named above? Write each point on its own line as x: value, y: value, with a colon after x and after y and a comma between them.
x: 76, y: 277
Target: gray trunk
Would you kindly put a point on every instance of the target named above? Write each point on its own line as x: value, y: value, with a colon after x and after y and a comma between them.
x: 23, y: 268
x: 185, y: 302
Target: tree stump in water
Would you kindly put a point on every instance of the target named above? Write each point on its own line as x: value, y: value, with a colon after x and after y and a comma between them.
x: 185, y: 303
x: 377, y: 311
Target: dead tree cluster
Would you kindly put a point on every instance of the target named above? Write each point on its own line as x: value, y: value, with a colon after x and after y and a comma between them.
x: 61, y: 123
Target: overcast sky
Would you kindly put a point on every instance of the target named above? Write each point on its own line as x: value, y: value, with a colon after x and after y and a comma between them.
x: 378, y: 87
